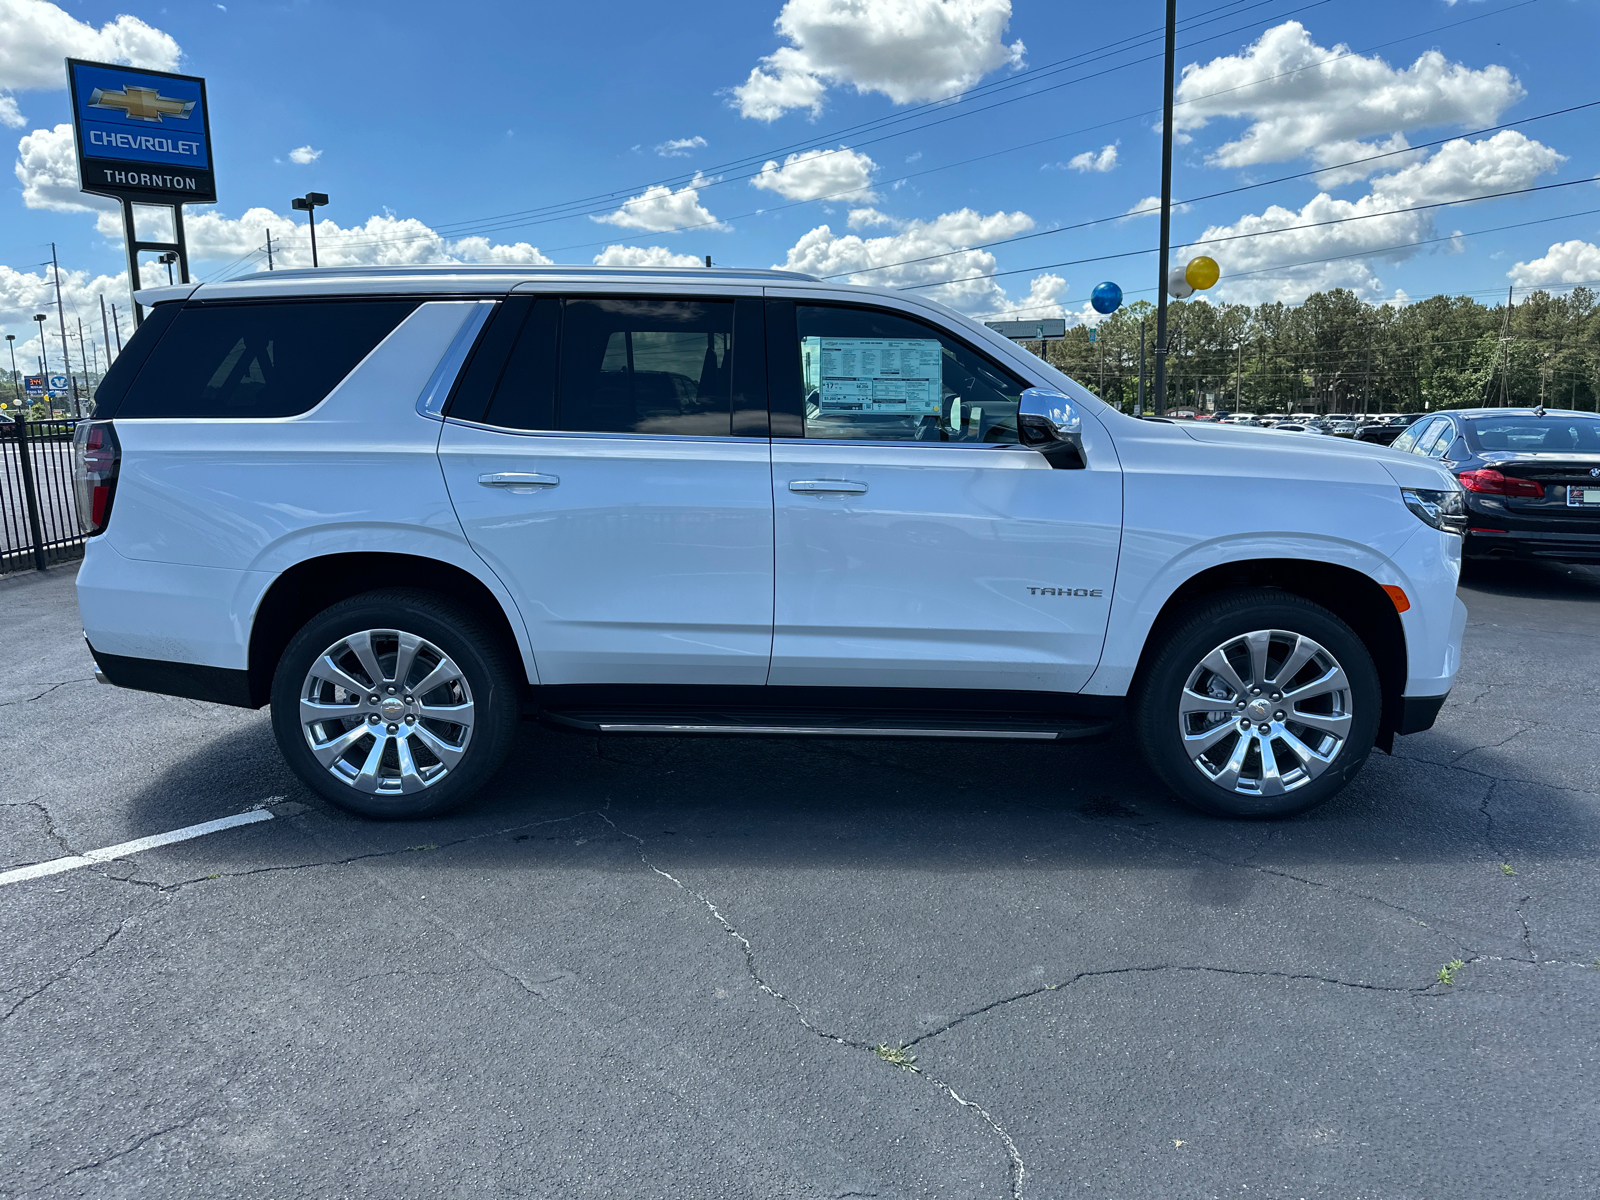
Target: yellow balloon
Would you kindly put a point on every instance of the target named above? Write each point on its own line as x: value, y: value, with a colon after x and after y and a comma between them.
x: 1202, y: 272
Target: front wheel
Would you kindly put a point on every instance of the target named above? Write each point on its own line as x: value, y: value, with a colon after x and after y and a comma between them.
x: 1259, y: 704
x: 394, y: 704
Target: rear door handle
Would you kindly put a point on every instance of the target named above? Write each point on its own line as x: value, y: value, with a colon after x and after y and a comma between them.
x: 828, y: 487
x: 518, y: 481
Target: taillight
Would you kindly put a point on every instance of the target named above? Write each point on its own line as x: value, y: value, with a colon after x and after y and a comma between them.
x: 1491, y: 483
x: 96, y: 454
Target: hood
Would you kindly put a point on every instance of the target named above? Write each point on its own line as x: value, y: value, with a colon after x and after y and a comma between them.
x: 1407, y: 470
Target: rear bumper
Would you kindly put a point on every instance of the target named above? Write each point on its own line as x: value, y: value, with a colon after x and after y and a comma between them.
x: 216, y: 685
x: 1553, y: 545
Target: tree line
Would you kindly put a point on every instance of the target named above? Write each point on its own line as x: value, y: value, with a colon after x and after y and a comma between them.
x: 1337, y: 353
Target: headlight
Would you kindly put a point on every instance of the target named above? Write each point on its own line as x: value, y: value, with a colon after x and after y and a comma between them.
x: 1443, y: 510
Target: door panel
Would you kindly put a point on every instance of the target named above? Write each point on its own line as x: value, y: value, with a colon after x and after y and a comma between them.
x: 648, y: 561
x: 957, y: 566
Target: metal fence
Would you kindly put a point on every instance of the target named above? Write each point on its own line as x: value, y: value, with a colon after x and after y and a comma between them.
x: 38, y: 503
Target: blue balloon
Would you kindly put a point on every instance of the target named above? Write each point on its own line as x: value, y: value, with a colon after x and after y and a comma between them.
x: 1106, y: 297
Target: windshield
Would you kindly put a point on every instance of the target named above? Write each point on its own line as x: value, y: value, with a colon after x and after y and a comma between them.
x: 1552, y: 433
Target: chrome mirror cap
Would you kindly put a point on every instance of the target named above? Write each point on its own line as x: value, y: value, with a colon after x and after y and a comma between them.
x: 1054, y: 409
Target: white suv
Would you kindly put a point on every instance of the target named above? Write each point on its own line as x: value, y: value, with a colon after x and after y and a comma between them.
x: 407, y: 507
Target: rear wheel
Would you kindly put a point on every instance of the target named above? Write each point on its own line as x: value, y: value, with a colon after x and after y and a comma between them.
x: 395, y: 704
x: 1259, y: 704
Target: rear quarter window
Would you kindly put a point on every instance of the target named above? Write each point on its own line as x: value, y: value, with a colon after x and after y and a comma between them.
x: 257, y: 360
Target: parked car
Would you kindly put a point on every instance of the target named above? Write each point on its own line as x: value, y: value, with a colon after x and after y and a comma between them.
x: 406, y: 506
x: 1381, y: 434
x: 1532, y: 478
x: 1296, y: 427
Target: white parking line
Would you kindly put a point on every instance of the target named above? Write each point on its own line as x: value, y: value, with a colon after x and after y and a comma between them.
x: 56, y: 865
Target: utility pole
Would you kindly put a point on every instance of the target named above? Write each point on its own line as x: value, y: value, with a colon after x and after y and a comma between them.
x: 1138, y: 404
x: 269, y: 249
x: 61, y: 315
x: 105, y: 328
x: 117, y: 325
x: 1166, y: 208
x: 83, y: 354
x: 1505, y: 353
x: 1238, y: 376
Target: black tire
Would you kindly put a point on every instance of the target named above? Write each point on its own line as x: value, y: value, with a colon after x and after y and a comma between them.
x: 1211, y: 625
x: 484, y: 680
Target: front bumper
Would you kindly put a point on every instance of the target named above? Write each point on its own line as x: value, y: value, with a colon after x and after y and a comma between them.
x: 1419, y: 712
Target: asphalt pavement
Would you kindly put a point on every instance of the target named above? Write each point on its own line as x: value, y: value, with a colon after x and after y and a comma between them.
x: 729, y: 968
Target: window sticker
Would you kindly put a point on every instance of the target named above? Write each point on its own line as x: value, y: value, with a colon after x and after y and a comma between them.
x: 896, y: 376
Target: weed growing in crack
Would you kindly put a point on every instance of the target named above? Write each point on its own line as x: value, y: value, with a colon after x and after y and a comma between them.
x: 425, y: 846
x: 1447, y: 973
x: 1506, y: 869
x: 899, y: 1056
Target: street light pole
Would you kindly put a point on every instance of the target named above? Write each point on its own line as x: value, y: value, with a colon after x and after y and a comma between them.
x: 168, y: 258
x: 308, y: 204
x: 16, y: 391
x: 44, y: 353
x: 1160, y: 399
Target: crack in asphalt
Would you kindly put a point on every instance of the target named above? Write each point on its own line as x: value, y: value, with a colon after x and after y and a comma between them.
x: 74, y: 964
x: 49, y: 824
x: 46, y: 692
x: 1017, y: 1170
x: 110, y: 1158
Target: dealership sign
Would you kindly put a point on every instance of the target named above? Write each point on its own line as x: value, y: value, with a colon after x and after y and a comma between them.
x: 142, y: 135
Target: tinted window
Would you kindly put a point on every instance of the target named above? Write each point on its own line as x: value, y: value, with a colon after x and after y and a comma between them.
x: 1412, y: 439
x: 1551, y: 433
x: 124, y: 368
x: 646, y: 366
x: 867, y: 373
x: 1436, y: 437
x: 258, y: 360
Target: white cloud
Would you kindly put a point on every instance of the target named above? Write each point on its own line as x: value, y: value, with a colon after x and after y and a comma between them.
x: 906, y: 49
x: 302, y: 155
x: 822, y: 252
x: 662, y: 210
x: 1457, y: 170
x: 815, y: 173
x: 1150, y: 206
x: 1045, y: 293
x: 680, y: 147
x: 1349, y: 151
x: 645, y: 256
x: 479, y: 249
x: 24, y: 293
x: 38, y: 35
x: 868, y: 218
x: 1090, y: 160
x: 1564, y: 262
x: 47, y: 168
x: 1294, y: 111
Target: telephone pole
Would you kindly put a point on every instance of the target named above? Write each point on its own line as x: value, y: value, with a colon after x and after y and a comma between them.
x: 1505, y: 353
x: 117, y: 325
x: 269, y: 249
x: 61, y: 315
x: 1160, y: 398
x: 105, y: 328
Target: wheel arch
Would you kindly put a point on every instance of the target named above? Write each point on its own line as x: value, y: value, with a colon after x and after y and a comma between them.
x: 1355, y: 598
x: 303, y: 590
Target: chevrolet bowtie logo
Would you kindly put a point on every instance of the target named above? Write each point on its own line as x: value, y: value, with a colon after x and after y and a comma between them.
x: 141, y: 103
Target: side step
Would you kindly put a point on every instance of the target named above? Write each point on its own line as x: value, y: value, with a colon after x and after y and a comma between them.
x: 1035, y: 727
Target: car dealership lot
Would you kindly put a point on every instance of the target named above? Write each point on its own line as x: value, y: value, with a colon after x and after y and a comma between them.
x: 662, y: 968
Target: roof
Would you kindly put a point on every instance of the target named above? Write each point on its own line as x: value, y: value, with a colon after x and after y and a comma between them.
x: 455, y: 278
x: 1511, y: 412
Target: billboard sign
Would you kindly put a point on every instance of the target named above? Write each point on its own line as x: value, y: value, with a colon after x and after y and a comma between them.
x: 1049, y: 329
x: 142, y: 135
x: 33, y: 385
x: 59, y: 383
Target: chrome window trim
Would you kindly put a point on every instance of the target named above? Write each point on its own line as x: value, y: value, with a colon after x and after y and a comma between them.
x: 586, y: 436
x: 431, y: 402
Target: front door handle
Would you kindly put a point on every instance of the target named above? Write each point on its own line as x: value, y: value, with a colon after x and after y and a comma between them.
x: 828, y: 487
x: 518, y: 481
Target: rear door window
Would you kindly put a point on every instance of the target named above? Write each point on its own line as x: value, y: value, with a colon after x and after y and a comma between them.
x: 274, y: 359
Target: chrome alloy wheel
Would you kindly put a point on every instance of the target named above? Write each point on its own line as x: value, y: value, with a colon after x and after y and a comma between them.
x: 386, y: 712
x: 1265, y: 712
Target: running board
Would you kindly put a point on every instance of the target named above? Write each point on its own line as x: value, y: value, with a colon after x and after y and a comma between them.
x: 984, y: 726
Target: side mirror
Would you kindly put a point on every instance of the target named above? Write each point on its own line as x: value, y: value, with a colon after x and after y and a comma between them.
x: 1048, y: 422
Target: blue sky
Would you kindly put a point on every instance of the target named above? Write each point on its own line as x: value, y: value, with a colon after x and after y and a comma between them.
x: 424, y: 122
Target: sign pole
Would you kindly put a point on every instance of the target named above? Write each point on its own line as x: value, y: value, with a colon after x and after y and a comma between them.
x: 61, y: 315
x: 131, y: 241
x: 1159, y: 400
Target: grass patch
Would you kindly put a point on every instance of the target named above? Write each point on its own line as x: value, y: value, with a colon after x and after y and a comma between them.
x: 898, y: 1056
x: 1447, y: 973
x: 1506, y: 869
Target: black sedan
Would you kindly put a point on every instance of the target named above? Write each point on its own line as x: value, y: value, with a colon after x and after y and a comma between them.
x: 1532, y: 478
x: 1386, y: 431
